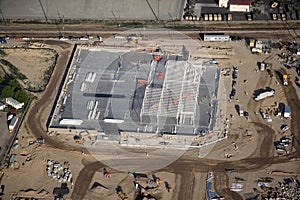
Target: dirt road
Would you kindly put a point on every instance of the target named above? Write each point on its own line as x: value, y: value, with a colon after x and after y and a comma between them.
x: 32, y: 122
x: 260, y: 159
x: 294, y: 103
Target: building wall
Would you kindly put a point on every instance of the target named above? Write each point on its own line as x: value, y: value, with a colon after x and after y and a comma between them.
x: 239, y: 8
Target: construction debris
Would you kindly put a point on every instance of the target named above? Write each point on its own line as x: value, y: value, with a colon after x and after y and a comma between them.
x: 59, y: 172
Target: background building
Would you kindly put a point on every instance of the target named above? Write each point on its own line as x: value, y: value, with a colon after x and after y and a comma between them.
x: 223, y: 3
x: 239, y: 5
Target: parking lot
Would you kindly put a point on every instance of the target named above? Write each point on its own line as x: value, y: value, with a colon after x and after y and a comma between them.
x: 99, y: 10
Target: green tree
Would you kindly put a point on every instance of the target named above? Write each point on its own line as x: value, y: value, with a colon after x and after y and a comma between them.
x: 21, y: 96
x: 1, y: 80
x: 7, y: 91
x: 14, y: 84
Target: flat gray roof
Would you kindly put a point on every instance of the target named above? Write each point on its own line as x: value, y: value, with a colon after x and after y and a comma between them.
x: 133, y: 90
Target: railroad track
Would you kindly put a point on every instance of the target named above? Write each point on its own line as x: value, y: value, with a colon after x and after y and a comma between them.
x: 286, y: 30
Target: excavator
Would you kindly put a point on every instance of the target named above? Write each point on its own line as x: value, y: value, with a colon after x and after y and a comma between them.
x: 82, y: 137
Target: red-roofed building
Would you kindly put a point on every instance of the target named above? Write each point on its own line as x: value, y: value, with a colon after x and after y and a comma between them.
x: 239, y: 5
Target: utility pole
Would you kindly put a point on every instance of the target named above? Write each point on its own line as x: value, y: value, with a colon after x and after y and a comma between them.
x: 43, y: 11
x: 2, y: 16
x: 158, y: 9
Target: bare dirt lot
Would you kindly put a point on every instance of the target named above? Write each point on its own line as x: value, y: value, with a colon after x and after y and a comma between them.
x: 33, y: 63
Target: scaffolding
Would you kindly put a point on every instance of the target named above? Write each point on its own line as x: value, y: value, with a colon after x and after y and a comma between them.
x: 178, y: 96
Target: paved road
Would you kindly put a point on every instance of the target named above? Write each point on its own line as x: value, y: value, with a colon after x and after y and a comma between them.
x: 33, y: 122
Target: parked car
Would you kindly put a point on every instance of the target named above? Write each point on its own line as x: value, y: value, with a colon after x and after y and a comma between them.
x: 284, y: 127
x: 246, y: 114
x: 234, y: 75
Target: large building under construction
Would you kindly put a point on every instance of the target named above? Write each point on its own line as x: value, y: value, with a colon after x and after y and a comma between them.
x: 112, y: 92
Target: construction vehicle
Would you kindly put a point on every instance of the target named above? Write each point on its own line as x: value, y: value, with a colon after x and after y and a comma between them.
x: 168, y: 187
x: 106, y: 173
x: 158, y: 181
x: 156, y: 58
x: 122, y: 195
x: 133, y: 39
x: 252, y: 43
x: 285, y: 79
x: 81, y: 137
x: 274, y: 4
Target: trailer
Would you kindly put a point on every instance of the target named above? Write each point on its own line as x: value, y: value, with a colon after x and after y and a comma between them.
x: 287, y: 112
x: 13, y: 123
x: 264, y: 95
x: 216, y: 38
